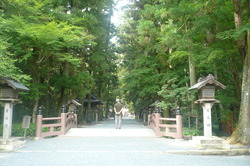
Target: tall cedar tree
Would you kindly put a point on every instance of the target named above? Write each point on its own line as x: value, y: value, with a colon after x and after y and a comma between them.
x: 242, y: 131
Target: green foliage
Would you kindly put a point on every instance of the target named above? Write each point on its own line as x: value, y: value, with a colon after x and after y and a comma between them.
x: 178, y: 58
x: 7, y: 64
x: 18, y: 131
x: 59, y: 49
x: 174, y: 95
x: 161, y: 39
x: 192, y: 132
x: 235, y: 34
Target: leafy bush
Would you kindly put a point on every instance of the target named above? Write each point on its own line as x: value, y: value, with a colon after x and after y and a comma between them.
x: 192, y: 132
x: 18, y: 131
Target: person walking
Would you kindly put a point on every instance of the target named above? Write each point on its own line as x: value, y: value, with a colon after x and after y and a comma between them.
x: 118, y: 107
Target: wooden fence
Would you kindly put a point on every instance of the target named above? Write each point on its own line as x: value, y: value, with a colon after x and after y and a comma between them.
x: 171, y: 127
x: 59, y: 127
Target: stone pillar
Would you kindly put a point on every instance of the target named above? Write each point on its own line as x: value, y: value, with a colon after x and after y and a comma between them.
x: 207, y: 119
x: 7, y: 123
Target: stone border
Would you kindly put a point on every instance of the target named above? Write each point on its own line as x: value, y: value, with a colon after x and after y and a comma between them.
x: 231, y: 152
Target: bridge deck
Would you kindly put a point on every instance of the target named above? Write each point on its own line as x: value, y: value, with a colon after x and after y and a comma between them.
x: 130, y: 128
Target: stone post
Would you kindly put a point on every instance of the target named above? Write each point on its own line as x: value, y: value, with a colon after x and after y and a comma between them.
x: 7, y: 124
x: 207, y: 119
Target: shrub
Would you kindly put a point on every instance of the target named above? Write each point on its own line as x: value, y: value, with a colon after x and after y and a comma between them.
x: 192, y: 132
x: 18, y: 131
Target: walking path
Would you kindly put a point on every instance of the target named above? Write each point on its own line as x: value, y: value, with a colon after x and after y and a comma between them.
x: 130, y: 128
x: 111, y: 148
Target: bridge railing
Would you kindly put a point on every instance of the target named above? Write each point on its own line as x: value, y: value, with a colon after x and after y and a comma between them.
x: 57, y: 126
x: 171, y: 127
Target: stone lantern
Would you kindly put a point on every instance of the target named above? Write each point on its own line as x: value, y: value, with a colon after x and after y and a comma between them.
x: 206, y: 89
x: 73, y: 105
x: 9, y: 90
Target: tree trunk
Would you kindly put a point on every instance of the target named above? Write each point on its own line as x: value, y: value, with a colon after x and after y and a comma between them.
x: 88, y: 111
x: 47, y: 101
x: 241, y: 43
x: 192, y: 77
x: 242, y: 131
x: 73, y: 92
x: 192, y: 82
x: 36, y: 80
x: 107, y: 109
x: 62, y: 100
x: 192, y: 71
x: 34, y: 111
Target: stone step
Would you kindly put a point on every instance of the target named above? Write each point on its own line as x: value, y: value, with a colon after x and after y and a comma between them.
x: 201, y: 142
x: 12, y: 143
x: 212, y: 141
x: 97, y: 132
x: 207, y: 140
x: 212, y: 146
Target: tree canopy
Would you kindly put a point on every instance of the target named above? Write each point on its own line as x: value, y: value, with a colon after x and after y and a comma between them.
x: 60, y: 48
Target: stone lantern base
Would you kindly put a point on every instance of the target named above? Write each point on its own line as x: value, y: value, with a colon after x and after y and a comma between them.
x: 12, y: 143
x: 209, y: 143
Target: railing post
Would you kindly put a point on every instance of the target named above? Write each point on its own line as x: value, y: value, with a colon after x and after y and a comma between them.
x: 39, y: 122
x: 157, y: 124
x: 63, y: 121
x: 179, y: 123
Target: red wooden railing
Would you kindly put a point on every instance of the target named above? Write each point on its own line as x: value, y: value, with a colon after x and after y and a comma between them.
x: 66, y: 121
x: 161, y: 127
